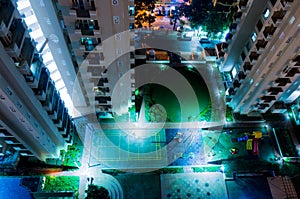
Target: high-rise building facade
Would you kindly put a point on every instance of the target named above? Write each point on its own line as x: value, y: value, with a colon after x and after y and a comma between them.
x: 34, y: 120
x: 102, y: 40
x: 260, y: 58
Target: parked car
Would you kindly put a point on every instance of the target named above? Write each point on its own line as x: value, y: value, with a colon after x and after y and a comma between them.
x: 184, y: 37
x: 204, y: 41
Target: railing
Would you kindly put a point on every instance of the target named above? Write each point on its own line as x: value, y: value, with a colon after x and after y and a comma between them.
x: 6, y: 12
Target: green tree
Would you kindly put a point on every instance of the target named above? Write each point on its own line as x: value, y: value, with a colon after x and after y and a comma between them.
x: 144, y: 12
x: 96, y: 192
x: 214, y: 19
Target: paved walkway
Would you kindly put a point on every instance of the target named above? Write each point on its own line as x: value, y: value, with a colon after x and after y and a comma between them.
x: 193, y: 185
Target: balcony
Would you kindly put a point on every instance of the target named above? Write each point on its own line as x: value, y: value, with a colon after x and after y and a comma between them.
x: 35, y: 68
x: 228, y: 38
x: 247, y: 66
x: 221, y: 54
x: 94, y: 58
x: 11, y: 141
x: 282, y: 81
x: 82, y: 13
x: 64, y: 123
x: 231, y: 91
x: 224, y: 46
x: 292, y: 72
x: 243, y: 4
x: 268, y: 99
x: 253, y: 57
x: 274, y: 90
x: 27, y: 53
x: 263, y: 106
x: 6, y: 16
x: 286, y: 4
x: 102, y: 82
x: 295, y: 62
x: 269, y: 31
x: 66, y: 130
x: 261, y: 45
x: 101, y: 91
x: 4, y: 133
x: 236, y: 84
x: 18, y: 35
x: 104, y: 108
x: 56, y: 103
x: 220, y: 50
x: 232, y: 27
x: 103, y: 100
x: 60, y: 113
x: 87, y: 32
x: 87, y: 24
x: 241, y: 75
x: 277, y: 17
x: 47, y: 104
x: 237, y: 16
x: 40, y: 92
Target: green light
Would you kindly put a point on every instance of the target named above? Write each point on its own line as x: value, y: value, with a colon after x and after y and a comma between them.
x: 189, y: 67
x: 163, y: 67
x: 137, y: 92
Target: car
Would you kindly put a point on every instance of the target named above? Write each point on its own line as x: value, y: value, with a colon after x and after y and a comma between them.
x: 204, y: 41
x: 233, y: 151
x: 179, y: 29
x: 184, y: 37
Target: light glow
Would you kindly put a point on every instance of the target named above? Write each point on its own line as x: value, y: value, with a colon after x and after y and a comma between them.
x: 233, y: 72
x: 293, y: 96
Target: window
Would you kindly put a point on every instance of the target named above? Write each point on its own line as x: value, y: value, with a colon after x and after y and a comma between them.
x: 131, y: 10
x: 243, y: 56
x: 273, y: 2
x: 253, y: 37
x: 233, y: 72
x: 259, y: 25
x: 131, y: 26
x: 266, y: 13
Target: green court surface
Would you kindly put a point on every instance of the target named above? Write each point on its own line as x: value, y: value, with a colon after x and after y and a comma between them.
x: 130, y: 149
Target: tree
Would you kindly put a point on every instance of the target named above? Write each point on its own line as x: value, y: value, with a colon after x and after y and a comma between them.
x: 97, y: 192
x: 214, y: 19
x: 144, y: 12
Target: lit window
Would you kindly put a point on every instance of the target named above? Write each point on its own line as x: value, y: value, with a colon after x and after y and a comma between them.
x: 131, y: 10
x: 266, y: 13
x: 293, y: 96
x: 233, y: 72
x: 253, y: 37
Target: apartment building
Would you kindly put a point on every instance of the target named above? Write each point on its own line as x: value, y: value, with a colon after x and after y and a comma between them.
x: 260, y: 58
x: 102, y: 40
x: 34, y: 120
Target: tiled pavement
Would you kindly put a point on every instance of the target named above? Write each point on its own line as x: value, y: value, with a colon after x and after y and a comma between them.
x: 193, y: 185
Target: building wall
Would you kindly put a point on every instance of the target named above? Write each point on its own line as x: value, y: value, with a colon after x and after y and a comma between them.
x: 102, y: 50
x: 33, y: 118
x: 264, y: 72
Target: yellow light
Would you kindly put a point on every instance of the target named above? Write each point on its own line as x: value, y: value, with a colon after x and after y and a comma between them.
x: 215, y: 3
